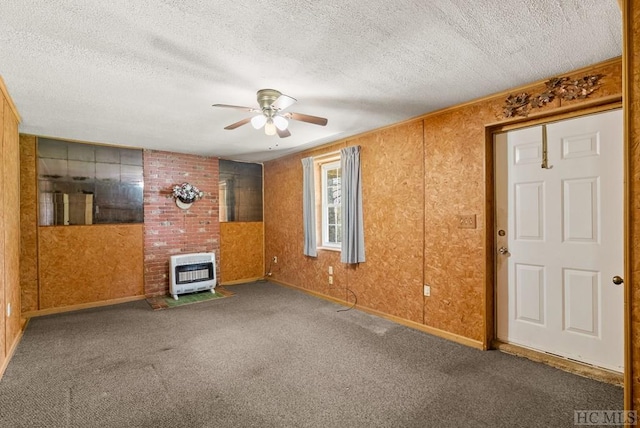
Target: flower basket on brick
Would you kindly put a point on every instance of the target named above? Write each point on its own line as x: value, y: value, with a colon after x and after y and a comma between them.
x: 186, y: 194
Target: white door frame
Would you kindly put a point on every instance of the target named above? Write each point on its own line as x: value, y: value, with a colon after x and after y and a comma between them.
x: 562, y: 328
x: 490, y: 339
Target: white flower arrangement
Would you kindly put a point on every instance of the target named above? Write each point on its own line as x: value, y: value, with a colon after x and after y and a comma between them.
x: 187, y: 193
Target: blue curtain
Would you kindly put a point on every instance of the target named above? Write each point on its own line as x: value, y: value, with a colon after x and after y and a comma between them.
x: 352, y: 219
x: 309, y: 207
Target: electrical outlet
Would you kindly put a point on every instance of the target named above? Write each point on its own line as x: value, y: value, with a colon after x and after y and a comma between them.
x: 330, y: 280
x: 466, y: 221
x: 275, y: 259
x: 330, y: 270
x: 427, y: 290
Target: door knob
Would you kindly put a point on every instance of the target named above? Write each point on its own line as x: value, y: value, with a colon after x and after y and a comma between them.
x: 617, y: 280
x: 503, y: 250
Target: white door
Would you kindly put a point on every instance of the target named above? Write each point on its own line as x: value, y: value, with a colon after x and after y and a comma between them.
x: 559, y: 234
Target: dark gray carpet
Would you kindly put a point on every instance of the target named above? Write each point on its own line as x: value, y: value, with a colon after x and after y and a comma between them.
x: 273, y: 357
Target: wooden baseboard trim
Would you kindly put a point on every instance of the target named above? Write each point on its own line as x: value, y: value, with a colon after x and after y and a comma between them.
x: 53, y: 311
x: 313, y: 293
x: 571, y: 366
x: 407, y: 323
x: 242, y: 281
x: 12, y: 351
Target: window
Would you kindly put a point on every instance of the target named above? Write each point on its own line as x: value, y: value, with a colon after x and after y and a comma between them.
x: 331, y: 205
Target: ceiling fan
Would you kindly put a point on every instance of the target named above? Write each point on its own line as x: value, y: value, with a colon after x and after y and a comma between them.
x: 271, y: 115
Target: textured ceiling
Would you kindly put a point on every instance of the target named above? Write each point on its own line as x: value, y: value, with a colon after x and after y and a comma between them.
x: 145, y: 73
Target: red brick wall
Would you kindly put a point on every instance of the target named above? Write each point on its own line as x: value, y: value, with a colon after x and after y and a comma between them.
x: 169, y: 230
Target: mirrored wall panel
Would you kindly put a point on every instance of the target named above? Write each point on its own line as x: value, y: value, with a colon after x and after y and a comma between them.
x: 88, y: 184
x: 240, y: 188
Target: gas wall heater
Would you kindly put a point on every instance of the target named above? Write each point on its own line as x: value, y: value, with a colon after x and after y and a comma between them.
x: 189, y: 273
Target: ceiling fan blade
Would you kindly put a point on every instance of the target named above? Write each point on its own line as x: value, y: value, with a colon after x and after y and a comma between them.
x: 307, y: 118
x: 282, y: 102
x: 283, y: 133
x: 249, y: 109
x: 238, y: 123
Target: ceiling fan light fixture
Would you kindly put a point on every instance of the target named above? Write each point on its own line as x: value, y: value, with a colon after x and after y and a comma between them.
x: 270, y: 115
x: 258, y: 121
x: 270, y: 128
x: 280, y: 122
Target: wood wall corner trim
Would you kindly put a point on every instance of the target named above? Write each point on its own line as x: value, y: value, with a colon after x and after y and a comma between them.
x: 5, y: 92
x: 628, y: 41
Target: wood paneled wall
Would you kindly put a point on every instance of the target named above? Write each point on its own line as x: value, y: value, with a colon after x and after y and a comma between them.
x: 10, y: 313
x: 3, y: 283
x: 417, y: 177
x: 283, y: 230
x: 11, y: 193
x: 391, y: 279
x: 392, y: 173
x: 454, y: 261
x: 28, y: 224
x: 67, y: 266
x: 458, y: 165
x: 241, y: 251
x: 89, y: 264
x: 631, y: 15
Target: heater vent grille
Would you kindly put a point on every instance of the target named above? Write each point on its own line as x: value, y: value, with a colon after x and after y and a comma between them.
x: 189, y: 273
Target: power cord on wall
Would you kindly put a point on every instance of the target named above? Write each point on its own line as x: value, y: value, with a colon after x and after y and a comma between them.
x: 355, y: 301
x: 268, y: 273
x: 355, y: 298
